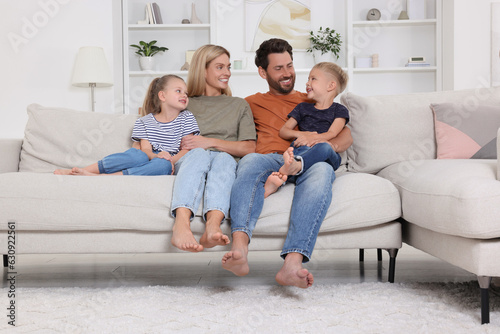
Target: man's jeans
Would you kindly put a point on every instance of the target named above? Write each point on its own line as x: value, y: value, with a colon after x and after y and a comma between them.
x: 134, y: 162
x: 313, y: 194
x: 319, y: 152
x: 204, y: 173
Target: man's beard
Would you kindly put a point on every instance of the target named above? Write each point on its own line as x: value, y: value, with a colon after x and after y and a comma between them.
x: 282, y: 90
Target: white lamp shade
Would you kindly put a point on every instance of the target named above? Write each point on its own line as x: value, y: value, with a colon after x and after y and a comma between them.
x: 91, y: 67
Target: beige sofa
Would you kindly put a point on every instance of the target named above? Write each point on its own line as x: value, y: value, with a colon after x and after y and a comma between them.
x: 450, y: 207
x: 131, y: 214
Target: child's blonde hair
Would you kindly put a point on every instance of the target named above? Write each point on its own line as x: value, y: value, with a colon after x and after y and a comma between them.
x: 152, y: 103
x: 339, y: 74
x: 196, y: 81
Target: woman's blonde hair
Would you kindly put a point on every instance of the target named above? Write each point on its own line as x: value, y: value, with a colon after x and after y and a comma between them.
x: 152, y: 103
x: 196, y: 81
x: 339, y: 74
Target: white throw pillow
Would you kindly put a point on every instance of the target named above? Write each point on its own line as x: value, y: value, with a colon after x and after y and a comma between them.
x: 64, y: 138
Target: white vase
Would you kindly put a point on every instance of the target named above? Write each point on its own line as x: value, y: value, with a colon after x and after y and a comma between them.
x: 318, y: 57
x: 146, y: 63
x: 194, y: 17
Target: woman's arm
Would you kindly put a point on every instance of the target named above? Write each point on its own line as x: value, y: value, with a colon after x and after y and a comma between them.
x: 235, y: 148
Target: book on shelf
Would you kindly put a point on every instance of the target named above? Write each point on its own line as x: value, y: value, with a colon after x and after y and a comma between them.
x: 417, y: 64
x: 153, y: 14
x: 156, y: 13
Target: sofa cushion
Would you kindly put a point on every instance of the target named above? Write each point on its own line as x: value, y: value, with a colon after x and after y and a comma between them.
x: 458, y: 197
x: 64, y: 138
x: 393, y: 128
x: 74, y: 203
x: 464, y: 132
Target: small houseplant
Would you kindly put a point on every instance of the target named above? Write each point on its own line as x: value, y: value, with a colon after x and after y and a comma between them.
x: 146, y: 51
x: 325, y: 42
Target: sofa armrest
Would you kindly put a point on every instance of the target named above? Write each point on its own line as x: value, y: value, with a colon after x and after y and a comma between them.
x: 498, y: 155
x: 10, y: 153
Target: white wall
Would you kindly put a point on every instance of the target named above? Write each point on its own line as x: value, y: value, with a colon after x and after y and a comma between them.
x: 40, y: 41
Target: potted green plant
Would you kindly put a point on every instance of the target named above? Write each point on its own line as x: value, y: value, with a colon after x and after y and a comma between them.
x: 146, y: 51
x: 324, y: 44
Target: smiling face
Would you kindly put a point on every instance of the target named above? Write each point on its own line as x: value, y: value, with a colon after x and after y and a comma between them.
x: 174, y: 94
x: 319, y: 84
x: 280, y: 74
x: 217, y: 75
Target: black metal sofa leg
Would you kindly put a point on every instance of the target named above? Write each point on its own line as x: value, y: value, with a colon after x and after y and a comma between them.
x: 392, y: 263
x: 484, y: 284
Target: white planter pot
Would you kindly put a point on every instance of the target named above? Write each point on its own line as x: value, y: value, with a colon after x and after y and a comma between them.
x: 318, y: 57
x: 146, y: 63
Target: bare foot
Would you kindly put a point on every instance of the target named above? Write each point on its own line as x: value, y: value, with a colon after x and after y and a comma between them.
x: 273, y: 182
x: 183, y: 238
x: 81, y: 172
x: 62, y: 172
x: 236, y: 262
x: 290, y: 166
x: 292, y: 273
x: 213, y: 236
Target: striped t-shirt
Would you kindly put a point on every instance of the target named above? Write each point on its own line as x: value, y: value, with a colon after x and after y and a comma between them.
x: 165, y: 136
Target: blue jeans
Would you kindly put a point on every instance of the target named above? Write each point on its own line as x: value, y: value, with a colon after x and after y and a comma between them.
x: 203, y: 173
x: 319, y: 152
x: 134, y: 162
x: 313, y: 194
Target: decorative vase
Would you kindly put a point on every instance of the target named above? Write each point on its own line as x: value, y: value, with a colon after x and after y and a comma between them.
x: 194, y: 17
x: 146, y: 63
x: 318, y: 57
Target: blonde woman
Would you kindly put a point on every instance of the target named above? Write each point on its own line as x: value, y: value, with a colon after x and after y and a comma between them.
x: 227, y: 132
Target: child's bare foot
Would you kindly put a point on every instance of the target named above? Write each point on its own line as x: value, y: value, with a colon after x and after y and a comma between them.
x: 213, y: 236
x: 62, y: 172
x: 292, y: 273
x: 81, y: 172
x: 290, y: 166
x: 273, y: 182
x: 236, y: 262
x: 183, y: 238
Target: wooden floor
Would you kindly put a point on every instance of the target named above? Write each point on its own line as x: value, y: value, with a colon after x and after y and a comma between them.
x: 187, y: 269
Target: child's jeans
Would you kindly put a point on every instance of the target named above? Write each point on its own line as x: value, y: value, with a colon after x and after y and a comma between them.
x: 134, y: 162
x: 317, y: 153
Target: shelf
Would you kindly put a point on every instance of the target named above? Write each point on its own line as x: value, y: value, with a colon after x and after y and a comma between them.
x: 184, y: 73
x: 168, y: 26
x: 395, y: 69
x: 394, y: 23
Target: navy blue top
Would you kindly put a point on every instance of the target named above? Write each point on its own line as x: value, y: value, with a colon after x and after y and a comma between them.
x: 311, y: 119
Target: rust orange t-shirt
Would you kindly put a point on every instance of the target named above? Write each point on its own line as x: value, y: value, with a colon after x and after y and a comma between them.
x: 270, y: 114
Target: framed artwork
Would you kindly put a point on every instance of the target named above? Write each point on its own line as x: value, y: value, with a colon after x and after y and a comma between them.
x: 286, y: 19
x: 495, y: 44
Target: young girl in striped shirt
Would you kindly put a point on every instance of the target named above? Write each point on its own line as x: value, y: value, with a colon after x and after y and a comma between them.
x: 157, y: 136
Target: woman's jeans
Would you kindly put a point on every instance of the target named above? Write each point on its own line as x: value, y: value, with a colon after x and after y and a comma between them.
x: 134, y: 162
x: 312, y: 197
x: 319, y: 152
x: 203, y: 173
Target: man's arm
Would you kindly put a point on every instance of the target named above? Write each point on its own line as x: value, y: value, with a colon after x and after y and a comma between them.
x: 343, y: 140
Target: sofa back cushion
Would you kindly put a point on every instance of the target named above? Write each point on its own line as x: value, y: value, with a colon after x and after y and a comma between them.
x: 394, y: 128
x: 64, y: 138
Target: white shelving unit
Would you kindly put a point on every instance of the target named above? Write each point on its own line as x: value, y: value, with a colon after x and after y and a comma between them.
x: 394, y: 41
x: 172, y: 34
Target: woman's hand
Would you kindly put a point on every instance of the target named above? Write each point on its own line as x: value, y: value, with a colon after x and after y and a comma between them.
x: 164, y: 155
x: 190, y: 142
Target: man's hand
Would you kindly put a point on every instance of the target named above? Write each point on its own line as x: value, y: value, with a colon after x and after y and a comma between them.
x: 164, y: 155
x: 307, y: 138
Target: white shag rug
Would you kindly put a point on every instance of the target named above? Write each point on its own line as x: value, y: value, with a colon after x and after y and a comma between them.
x: 340, y: 308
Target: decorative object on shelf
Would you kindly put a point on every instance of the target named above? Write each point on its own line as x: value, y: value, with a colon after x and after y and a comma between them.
x: 146, y: 51
x: 375, y: 60
x: 239, y: 64
x: 363, y: 62
x: 186, y: 21
x: 403, y: 15
x: 416, y: 9
x: 194, y: 17
x: 417, y: 62
x: 373, y: 15
x: 189, y: 56
x: 152, y: 13
x: 324, y: 44
x: 91, y: 70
